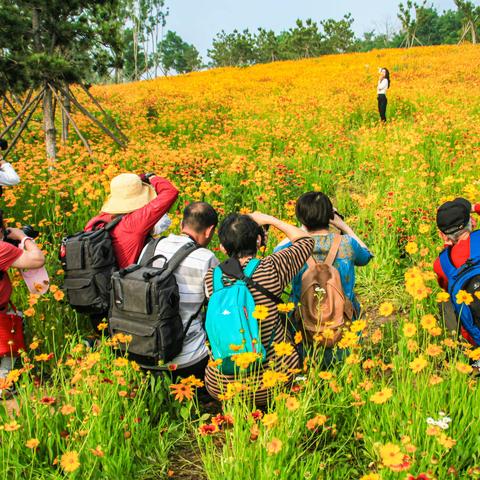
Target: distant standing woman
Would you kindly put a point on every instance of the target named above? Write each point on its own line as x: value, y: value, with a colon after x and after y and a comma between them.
x: 382, y: 87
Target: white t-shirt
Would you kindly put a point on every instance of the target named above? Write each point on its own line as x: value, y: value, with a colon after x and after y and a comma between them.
x: 382, y: 86
x: 189, y: 275
x: 8, y: 175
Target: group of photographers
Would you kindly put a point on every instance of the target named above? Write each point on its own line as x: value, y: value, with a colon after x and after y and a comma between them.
x: 139, y: 203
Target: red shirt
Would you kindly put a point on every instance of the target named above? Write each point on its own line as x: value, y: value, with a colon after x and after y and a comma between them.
x: 129, y: 236
x: 8, y: 255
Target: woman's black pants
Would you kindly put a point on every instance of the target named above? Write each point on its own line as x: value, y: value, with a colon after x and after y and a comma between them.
x: 382, y: 106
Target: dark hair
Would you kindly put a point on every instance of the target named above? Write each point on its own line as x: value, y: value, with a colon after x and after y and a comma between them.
x: 387, y: 75
x: 3, y: 144
x: 239, y: 234
x: 199, y: 216
x: 314, y: 210
x: 1, y: 220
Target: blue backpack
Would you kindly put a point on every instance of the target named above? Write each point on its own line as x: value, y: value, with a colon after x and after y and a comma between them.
x: 230, y: 325
x: 467, y: 278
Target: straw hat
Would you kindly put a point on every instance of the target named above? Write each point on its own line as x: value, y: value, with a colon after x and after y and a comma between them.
x: 127, y: 194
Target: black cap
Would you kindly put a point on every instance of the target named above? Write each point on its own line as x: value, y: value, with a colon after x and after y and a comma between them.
x: 454, y: 215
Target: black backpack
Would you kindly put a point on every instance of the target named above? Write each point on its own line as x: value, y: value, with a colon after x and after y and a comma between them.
x: 88, y: 262
x: 145, y: 305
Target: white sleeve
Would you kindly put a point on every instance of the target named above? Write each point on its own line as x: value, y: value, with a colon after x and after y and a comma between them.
x: 8, y: 175
x: 384, y: 84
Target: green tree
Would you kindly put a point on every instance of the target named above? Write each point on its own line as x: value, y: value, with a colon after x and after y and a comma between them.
x: 267, y: 46
x: 51, y: 44
x: 233, y: 49
x: 470, y: 19
x: 338, y: 35
x: 303, y: 41
x: 176, y: 54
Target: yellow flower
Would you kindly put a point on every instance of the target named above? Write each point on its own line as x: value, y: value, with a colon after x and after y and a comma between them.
x: 69, y: 461
x: 473, y: 354
x: 433, y: 350
x: 260, y: 312
x: 316, y: 421
x: 285, y: 307
x: 446, y: 441
x: 274, y: 446
x: 298, y: 337
x: 120, y: 362
x: 283, y: 349
x: 11, y: 426
x: 442, y: 297
x: 411, y: 248
x: 409, y: 329
x: 371, y: 476
x: 326, y: 375
x: 418, y: 364
x: 412, y: 346
x: 358, y: 326
x: 424, y: 228
x: 385, y: 309
x: 391, y: 455
x: 102, y: 326
x: 245, y: 359
x: 269, y: 420
x: 32, y: 443
x: 464, y: 368
x: 464, y: 297
x: 270, y: 378
x: 292, y: 404
x: 382, y: 396
x: 428, y: 321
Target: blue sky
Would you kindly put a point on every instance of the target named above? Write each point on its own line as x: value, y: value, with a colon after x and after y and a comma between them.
x: 198, y: 21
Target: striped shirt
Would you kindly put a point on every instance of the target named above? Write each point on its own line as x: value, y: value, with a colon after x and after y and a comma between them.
x: 190, y: 279
x: 273, y: 273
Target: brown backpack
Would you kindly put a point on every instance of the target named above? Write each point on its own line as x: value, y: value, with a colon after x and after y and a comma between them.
x: 324, y: 313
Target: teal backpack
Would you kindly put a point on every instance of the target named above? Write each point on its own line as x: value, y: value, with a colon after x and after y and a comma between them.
x: 229, y: 322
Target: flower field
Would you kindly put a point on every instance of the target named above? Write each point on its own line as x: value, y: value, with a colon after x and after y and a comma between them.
x: 404, y: 404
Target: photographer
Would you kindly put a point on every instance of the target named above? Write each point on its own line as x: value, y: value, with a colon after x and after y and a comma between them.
x: 315, y: 212
x: 26, y: 255
x: 8, y: 176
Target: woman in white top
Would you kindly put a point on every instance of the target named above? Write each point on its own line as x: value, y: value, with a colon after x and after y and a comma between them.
x: 8, y: 176
x: 382, y: 87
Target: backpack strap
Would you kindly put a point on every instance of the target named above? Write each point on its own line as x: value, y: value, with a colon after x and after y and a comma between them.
x: 110, y: 225
x: 180, y: 255
x: 232, y: 268
x: 332, y: 254
x: 149, y: 252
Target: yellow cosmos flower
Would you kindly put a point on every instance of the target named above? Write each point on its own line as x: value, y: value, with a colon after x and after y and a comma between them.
x: 442, y: 297
x: 409, y: 329
x: 285, y: 307
x: 391, y: 455
x: 411, y: 248
x: 464, y: 297
x: 382, y: 396
x: 283, y: 349
x: 418, y: 364
x: 260, y: 312
x: 69, y: 461
x: 385, y: 309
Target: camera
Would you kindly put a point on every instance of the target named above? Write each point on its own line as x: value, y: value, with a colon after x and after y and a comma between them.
x: 28, y: 230
x: 263, y: 231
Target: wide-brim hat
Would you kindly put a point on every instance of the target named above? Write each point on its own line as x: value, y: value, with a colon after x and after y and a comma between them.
x: 127, y: 194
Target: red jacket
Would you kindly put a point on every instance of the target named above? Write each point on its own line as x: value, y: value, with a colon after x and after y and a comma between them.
x: 129, y: 236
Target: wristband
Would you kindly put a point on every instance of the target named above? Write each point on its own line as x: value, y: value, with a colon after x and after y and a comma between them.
x: 22, y: 242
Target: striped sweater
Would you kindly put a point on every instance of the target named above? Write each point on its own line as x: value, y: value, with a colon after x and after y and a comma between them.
x: 273, y: 273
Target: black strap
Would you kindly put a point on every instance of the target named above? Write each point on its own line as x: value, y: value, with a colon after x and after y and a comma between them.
x: 232, y: 268
x: 191, y: 319
x: 180, y: 255
x: 149, y: 252
x: 110, y: 225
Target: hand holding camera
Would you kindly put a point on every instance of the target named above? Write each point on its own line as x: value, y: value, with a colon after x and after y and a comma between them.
x: 15, y: 235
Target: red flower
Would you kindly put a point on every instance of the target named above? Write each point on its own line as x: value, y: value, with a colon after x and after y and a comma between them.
x: 257, y: 414
x: 48, y: 400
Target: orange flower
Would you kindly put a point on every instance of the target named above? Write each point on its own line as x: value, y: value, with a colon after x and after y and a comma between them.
x: 181, y: 391
x: 97, y: 451
x: 292, y: 404
x: 316, y: 421
x: 58, y: 295
x: 464, y: 368
x: 67, y: 409
x: 274, y: 446
x: 69, y: 461
x: 32, y: 443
